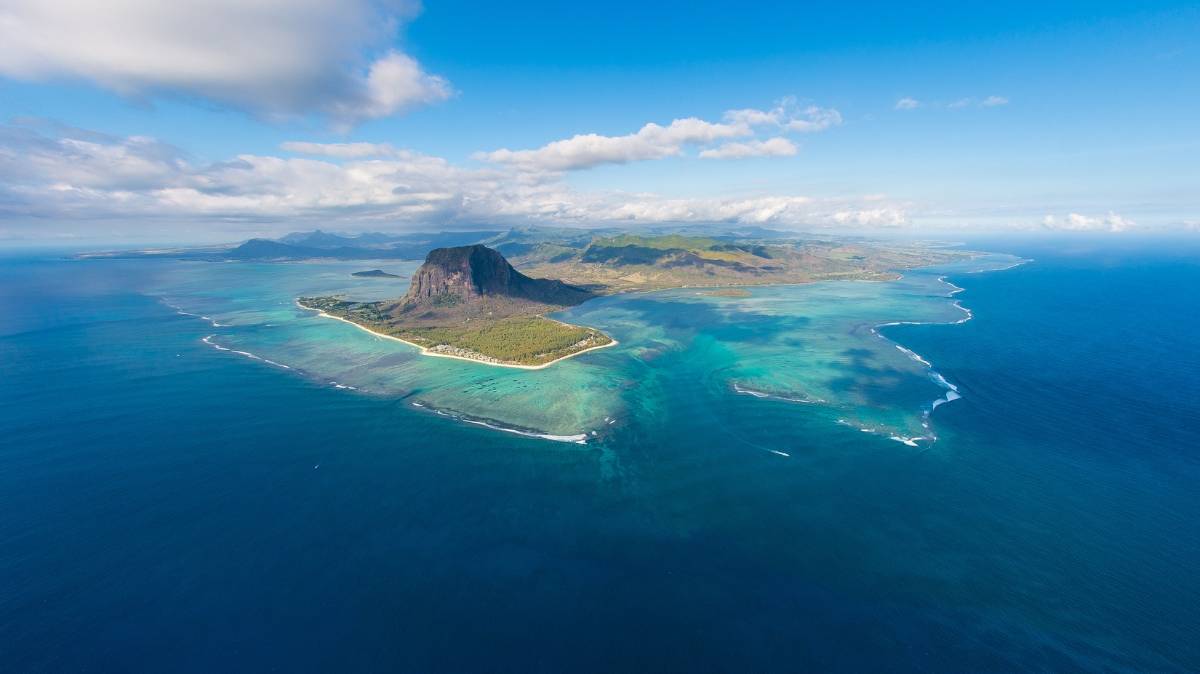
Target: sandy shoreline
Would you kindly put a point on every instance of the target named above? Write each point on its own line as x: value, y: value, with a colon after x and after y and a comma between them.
x: 426, y: 352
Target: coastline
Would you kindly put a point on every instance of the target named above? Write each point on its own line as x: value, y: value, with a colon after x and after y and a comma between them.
x: 426, y: 352
x: 952, y: 391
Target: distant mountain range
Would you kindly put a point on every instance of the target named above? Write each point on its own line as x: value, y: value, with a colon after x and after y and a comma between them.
x: 515, y: 242
x: 318, y: 244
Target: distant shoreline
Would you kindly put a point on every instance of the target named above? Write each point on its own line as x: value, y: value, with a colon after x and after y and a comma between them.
x: 426, y: 352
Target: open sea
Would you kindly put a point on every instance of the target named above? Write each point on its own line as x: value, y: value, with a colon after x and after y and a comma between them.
x: 987, y: 466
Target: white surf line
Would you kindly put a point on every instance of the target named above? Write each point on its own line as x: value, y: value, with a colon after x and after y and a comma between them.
x: 906, y: 440
x: 737, y: 388
x: 952, y: 392
x: 179, y: 310
x: 954, y: 290
x: 578, y: 438
x: 1018, y: 263
x: 424, y: 351
x: 913, y: 355
x: 208, y: 340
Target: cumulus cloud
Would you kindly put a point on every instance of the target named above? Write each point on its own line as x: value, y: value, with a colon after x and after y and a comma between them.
x: 587, y: 150
x: 68, y: 174
x: 270, y: 57
x: 653, y: 141
x: 772, y: 147
x: 907, y: 103
x: 1077, y: 222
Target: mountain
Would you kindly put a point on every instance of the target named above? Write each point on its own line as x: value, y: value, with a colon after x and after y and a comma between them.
x: 478, y: 273
x: 320, y: 239
x: 469, y: 302
x: 376, y: 246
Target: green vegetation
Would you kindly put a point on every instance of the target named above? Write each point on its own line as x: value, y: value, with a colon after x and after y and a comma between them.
x: 520, y: 339
x: 515, y: 340
x: 665, y: 242
x: 469, y: 302
x: 625, y: 262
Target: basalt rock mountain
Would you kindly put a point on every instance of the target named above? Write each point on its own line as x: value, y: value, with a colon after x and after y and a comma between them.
x: 472, y: 279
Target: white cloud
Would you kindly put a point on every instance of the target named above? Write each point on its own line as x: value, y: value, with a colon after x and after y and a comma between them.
x: 587, y: 150
x: 872, y: 217
x: 787, y: 116
x: 342, y: 150
x: 772, y: 147
x: 270, y: 57
x: 653, y: 141
x: 814, y: 119
x: 1077, y: 222
x: 71, y: 175
x: 907, y: 103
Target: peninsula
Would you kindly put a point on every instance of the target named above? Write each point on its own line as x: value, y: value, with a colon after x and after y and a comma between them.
x: 468, y: 302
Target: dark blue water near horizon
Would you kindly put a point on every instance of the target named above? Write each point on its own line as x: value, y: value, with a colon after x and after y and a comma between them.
x: 167, y: 507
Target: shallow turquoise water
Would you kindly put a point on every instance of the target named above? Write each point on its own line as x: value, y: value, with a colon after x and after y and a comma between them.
x: 168, y: 506
x: 810, y: 345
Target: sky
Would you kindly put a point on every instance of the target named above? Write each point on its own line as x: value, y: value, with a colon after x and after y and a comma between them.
x: 135, y: 120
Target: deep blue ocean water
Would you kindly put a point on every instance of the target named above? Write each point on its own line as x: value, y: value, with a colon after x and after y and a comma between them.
x: 167, y: 507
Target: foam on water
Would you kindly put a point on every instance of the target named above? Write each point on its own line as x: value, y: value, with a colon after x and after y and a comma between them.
x: 577, y: 438
x: 209, y: 341
x: 762, y: 394
x: 819, y: 345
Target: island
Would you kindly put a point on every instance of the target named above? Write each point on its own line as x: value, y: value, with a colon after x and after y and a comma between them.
x: 468, y: 302
x: 374, y: 273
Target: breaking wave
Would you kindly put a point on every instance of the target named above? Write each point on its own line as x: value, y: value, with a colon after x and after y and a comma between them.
x: 209, y: 341
x: 763, y: 394
x: 578, y: 438
x: 182, y: 312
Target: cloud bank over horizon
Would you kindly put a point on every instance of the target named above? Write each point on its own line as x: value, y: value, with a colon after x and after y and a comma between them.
x: 51, y: 173
x: 57, y: 173
x: 269, y: 115
x: 273, y: 58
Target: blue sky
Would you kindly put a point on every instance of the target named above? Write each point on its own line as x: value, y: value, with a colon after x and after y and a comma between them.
x: 150, y: 124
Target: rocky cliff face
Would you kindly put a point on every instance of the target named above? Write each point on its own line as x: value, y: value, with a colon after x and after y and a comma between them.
x: 474, y: 273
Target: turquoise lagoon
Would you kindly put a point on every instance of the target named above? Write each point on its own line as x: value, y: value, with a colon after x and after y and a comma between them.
x: 169, y: 506
x: 822, y: 348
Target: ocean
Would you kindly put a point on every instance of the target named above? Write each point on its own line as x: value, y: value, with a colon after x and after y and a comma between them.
x: 196, y: 475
